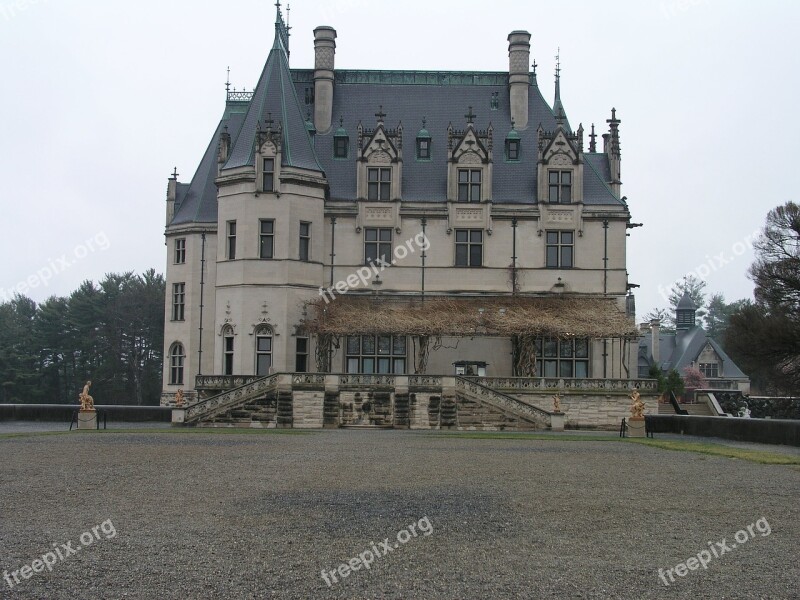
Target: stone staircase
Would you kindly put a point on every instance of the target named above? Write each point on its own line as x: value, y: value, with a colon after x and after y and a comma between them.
x: 482, y: 407
x: 698, y: 410
x: 239, y: 405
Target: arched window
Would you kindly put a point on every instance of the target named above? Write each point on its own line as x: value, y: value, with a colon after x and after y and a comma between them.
x: 176, y: 359
x: 227, y: 350
x: 263, y: 350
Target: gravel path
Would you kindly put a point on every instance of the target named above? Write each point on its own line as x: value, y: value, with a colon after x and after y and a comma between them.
x: 260, y: 515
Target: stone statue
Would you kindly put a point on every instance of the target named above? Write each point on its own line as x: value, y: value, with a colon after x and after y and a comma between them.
x: 557, y: 403
x: 179, y: 398
x: 87, y: 402
x: 637, y: 408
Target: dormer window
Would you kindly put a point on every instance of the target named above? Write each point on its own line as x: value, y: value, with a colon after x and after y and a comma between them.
x: 341, y: 145
x: 379, y: 182
x: 469, y: 185
x: 341, y: 141
x: 423, y: 149
x: 423, y: 142
x: 512, y: 149
x: 269, y: 175
x: 560, y: 187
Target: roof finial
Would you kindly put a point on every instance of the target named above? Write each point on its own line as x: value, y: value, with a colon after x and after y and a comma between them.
x: 380, y: 114
x: 470, y: 116
x: 341, y: 120
x: 424, y: 122
x: 174, y: 174
x: 558, y: 77
x: 512, y: 124
x: 228, y: 81
x: 592, y: 140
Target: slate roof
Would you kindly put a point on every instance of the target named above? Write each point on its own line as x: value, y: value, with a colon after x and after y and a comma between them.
x: 406, y: 96
x: 679, y: 350
x: 275, y: 98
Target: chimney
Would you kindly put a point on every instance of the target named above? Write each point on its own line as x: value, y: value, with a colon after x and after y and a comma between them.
x: 655, y: 330
x: 519, y: 79
x: 324, y: 52
x: 172, y: 191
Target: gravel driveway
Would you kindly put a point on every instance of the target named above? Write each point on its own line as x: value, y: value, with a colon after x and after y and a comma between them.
x: 191, y: 515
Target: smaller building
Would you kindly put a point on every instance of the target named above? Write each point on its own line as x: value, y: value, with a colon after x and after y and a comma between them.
x: 689, y: 346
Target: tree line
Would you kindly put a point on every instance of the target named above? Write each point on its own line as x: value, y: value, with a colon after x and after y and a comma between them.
x: 111, y: 333
x: 761, y: 335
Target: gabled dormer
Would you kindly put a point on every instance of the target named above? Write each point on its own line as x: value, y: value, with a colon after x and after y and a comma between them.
x: 379, y: 167
x: 560, y: 165
x: 469, y: 162
x: 268, y: 149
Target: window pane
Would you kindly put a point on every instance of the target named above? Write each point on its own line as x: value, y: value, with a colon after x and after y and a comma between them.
x: 399, y: 366
x: 553, y: 176
x: 566, y: 177
x: 566, y: 257
x: 368, y: 344
x: 353, y: 344
x: 385, y: 191
x: 582, y: 348
x: 476, y: 176
x: 302, y: 345
x: 264, y: 344
x: 386, y: 235
x: 263, y: 362
x: 461, y: 255
x: 550, y: 367
x: 463, y: 176
x: 475, y: 256
x: 565, y: 349
x: 372, y: 191
x: 463, y: 192
x: 552, y: 237
x: 305, y: 229
x: 268, y: 182
x: 301, y: 363
x: 373, y: 174
x: 399, y: 345
x: 267, y: 226
x: 368, y: 365
x: 565, y: 369
x: 551, y: 348
x: 371, y: 235
x: 385, y: 252
x: 386, y: 174
x: 370, y: 253
x: 581, y: 368
x: 475, y: 193
x: 462, y: 235
x: 566, y: 237
x: 352, y: 365
x: 229, y: 344
x: 384, y: 344
x: 384, y: 365
x: 269, y: 164
x: 552, y: 256
x: 566, y: 194
x: 475, y: 236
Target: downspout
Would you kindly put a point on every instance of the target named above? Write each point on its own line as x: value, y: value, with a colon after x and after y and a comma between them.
x: 605, y: 291
x: 333, y: 245
x: 424, y: 223
x: 514, y: 257
x: 202, y: 290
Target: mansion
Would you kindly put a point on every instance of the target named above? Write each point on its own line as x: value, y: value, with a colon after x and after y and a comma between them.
x: 399, y: 222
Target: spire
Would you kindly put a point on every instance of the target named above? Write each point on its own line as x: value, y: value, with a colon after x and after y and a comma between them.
x: 593, y: 140
x: 281, y: 30
x: 558, y: 108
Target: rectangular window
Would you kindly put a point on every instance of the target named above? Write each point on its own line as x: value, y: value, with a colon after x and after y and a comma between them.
x: 560, y: 249
x: 709, y: 370
x: 266, y: 238
x: 269, y: 174
x: 377, y: 244
x: 376, y: 354
x: 340, y: 146
x: 227, y: 367
x: 176, y: 359
x: 512, y: 149
x: 469, y: 247
x: 379, y: 183
x: 305, y: 241
x: 263, y: 354
x: 423, y: 148
x: 231, y: 240
x: 301, y: 360
x: 560, y: 186
x: 178, y: 301
x: 180, y: 251
x: 562, y: 358
x: 469, y: 185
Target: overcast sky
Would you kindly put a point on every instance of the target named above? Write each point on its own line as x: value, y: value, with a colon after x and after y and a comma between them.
x: 101, y: 99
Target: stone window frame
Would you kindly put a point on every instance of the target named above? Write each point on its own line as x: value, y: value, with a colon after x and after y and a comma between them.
x: 177, y: 360
x: 301, y: 354
x: 565, y: 359
x: 179, y: 301
x: 554, y: 240
x: 230, y: 240
x: 380, y: 243
x: 228, y: 349
x: 468, y: 244
x: 264, y: 333
x: 304, y: 239
x: 266, y: 237
x: 556, y: 189
x: 180, y: 251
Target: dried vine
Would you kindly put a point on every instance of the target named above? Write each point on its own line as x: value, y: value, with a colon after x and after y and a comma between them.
x: 523, y: 350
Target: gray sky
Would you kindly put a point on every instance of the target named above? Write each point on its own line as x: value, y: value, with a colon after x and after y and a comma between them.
x: 101, y: 99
